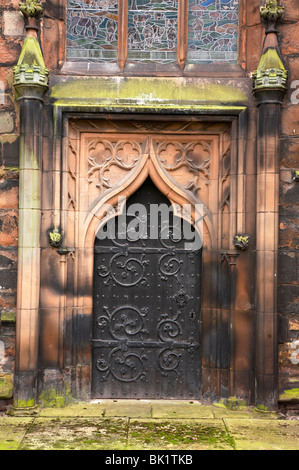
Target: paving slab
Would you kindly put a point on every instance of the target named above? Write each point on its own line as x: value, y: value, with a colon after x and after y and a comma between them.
x: 263, y: 434
x: 179, y: 409
x: 76, y: 434
x: 12, y: 431
x: 130, y: 409
x: 178, y: 434
x: 75, y: 410
x: 242, y: 412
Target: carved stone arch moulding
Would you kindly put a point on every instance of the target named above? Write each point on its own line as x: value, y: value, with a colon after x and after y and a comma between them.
x: 189, y: 162
x: 112, y: 200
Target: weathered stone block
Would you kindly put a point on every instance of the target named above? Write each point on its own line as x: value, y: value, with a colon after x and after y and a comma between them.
x: 13, y: 23
x: 289, y: 193
x: 8, y: 257
x: 287, y: 267
x: 8, y: 279
x: 289, y: 228
x: 290, y: 39
x: 6, y: 122
x: 8, y: 193
x: 11, y: 150
x: 10, y: 51
x: 6, y: 386
x: 289, y: 151
x: 288, y: 299
x: 8, y: 228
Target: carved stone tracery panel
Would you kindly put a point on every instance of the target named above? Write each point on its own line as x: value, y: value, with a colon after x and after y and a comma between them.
x: 189, y: 162
x: 111, y: 161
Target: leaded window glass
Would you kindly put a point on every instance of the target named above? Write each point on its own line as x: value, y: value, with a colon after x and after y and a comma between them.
x: 152, y: 30
x: 92, y: 30
x: 157, y: 32
x: 212, y: 30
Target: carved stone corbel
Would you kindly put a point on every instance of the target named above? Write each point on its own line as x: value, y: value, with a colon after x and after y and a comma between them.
x: 241, y: 242
x: 55, y: 238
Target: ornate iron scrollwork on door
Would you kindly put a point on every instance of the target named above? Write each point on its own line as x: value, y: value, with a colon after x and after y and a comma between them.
x: 124, y: 270
x: 145, y: 343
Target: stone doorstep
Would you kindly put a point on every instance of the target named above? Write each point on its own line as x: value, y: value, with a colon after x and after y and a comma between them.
x: 158, y: 409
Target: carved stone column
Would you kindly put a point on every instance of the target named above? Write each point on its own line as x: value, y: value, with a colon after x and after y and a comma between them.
x: 269, y: 86
x: 31, y: 83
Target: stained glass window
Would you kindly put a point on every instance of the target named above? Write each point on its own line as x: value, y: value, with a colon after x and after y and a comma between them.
x: 92, y: 30
x: 152, y: 30
x: 212, y: 31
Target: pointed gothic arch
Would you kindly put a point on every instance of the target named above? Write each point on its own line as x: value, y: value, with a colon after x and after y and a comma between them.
x: 150, y: 167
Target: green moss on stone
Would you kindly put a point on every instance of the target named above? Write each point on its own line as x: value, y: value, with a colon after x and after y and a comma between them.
x: 271, y: 72
x: 270, y: 60
x: 262, y: 408
x: 31, y: 69
x: 142, y: 92
x: 6, y: 386
x: 12, y: 168
x: 8, y: 317
x: 292, y: 394
x: 20, y: 403
x: 9, y: 138
x: 232, y: 403
x: 31, y: 54
x: 50, y: 398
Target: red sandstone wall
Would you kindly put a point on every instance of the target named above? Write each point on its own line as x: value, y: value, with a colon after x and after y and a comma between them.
x: 288, y: 269
x: 11, y: 37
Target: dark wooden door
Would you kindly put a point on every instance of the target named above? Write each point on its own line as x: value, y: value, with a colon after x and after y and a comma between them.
x: 146, y: 315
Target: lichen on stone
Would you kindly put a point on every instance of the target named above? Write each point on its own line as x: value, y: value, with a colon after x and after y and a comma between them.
x: 31, y: 8
x: 55, y: 238
x: 31, y: 69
